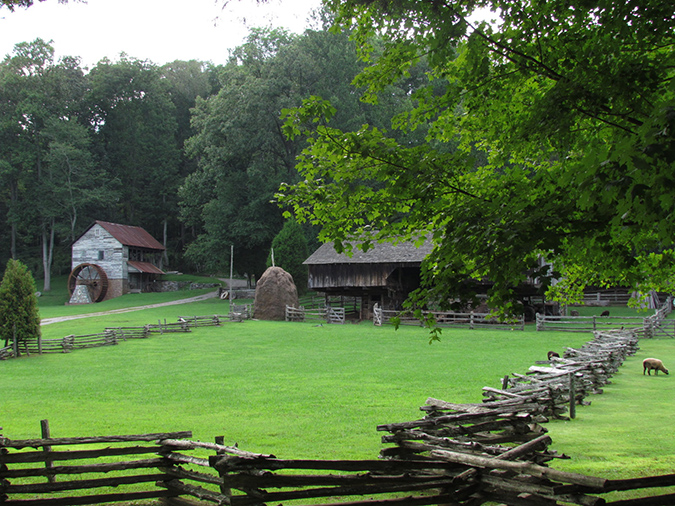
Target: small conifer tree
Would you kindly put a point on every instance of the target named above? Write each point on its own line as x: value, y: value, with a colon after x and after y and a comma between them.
x: 290, y: 250
x: 19, y: 315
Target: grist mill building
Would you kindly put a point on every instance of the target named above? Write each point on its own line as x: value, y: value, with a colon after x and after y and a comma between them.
x: 111, y: 260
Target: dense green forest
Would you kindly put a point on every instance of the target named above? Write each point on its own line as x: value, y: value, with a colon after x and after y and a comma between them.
x: 191, y: 151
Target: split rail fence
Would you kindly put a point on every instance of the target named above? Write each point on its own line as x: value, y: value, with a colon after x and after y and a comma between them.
x: 114, y: 335
x: 655, y: 325
x: 327, y: 314
x: 134, y: 467
x: 446, y: 319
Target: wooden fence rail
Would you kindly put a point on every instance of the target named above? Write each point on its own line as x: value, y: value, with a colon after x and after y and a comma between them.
x: 71, y: 342
x: 123, y: 463
x: 654, y: 325
x: 213, y: 320
x: 240, y: 312
x: 587, y: 323
x: 6, y: 352
x: 112, y: 335
x: 446, y: 319
x: 31, y: 478
x: 326, y: 314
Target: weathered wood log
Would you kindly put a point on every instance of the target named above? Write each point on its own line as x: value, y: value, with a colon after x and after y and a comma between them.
x: 191, y: 445
x: 179, y: 487
x: 525, y: 448
x: 27, y: 457
x: 338, y: 491
x: 187, y: 459
x: 36, y: 443
x: 226, y: 464
x: 505, y: 393
x: 503, y: 486
x: 42, y: 488
x: 522, y: 467
x: 83, y: 469
x: 266, y: 480
x: 454, y: 419
x: 179, y: 472
x: 502, y: 406
x: 91, y: 499
x: 666, y: 480
x: 404, y: 438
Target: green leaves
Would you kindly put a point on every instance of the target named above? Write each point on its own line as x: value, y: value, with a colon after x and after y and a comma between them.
x: 549, y: 135
x: 18, y: 304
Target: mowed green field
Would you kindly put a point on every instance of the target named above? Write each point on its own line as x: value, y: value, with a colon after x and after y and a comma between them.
x: 298, y: 390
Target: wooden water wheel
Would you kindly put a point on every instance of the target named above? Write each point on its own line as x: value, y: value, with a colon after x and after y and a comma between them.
x: 93, y: 277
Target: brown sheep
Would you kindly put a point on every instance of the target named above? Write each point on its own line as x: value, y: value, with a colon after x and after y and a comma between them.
x: 605, y: 313
x: 552, y: 354
x: 655, y: 364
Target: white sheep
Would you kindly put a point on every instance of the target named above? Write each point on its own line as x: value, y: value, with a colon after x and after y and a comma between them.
x: 655, y: 364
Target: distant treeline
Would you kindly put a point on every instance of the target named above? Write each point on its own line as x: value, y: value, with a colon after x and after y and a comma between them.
x: 191, y: 151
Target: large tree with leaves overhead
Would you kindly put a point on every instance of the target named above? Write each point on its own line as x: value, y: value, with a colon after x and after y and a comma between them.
x: 550, y: 135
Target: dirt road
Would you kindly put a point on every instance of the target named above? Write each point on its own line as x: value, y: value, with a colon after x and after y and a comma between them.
x: 47, y: 321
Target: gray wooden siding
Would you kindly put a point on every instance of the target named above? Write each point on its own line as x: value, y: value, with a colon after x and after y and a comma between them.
x: 86, y: 250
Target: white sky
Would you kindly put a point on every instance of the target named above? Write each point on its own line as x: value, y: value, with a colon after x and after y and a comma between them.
x: 157, y: 30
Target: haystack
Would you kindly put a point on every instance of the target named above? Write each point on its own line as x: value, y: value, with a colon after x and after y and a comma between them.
x: 274, y: 291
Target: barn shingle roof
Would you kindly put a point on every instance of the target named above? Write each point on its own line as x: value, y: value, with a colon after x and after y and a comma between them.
x: 129, y: 235
x: 385, y: 252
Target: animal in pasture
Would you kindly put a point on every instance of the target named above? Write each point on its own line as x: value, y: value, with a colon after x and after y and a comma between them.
x: 653, y: 364
x: 552, y: 354
x: 605, y: 313
x: 574, y: 312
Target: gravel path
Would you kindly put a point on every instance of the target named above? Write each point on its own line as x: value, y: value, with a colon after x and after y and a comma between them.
x: 47, y: 321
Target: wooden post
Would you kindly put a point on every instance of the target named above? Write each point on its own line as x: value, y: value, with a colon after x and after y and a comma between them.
x: 226, y: 491
x: 44, y: 426
x: 573, y: 397
x: 15, y: 343
x: 505, y: 382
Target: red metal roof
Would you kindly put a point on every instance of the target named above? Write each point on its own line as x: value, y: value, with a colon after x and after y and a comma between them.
x: 131, y: 236
x: 146, y: 267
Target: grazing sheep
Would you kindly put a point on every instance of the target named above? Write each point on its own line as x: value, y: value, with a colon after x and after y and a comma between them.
x: 605, y: 313
x: 574, y: 312
x: 552, y: 354
x: 655, y: 364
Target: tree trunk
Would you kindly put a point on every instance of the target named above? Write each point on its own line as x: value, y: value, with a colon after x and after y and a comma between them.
x: 48, y: 255
x: 165, y: 256
x: 14, y: 195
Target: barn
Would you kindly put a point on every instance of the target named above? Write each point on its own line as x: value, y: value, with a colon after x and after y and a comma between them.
x: 109, y: 260
x: 384, y: 275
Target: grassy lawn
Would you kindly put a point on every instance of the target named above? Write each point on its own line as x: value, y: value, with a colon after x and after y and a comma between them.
x: 291, y: 389
x: 303, y: 391
x: 626, y: 431
x: 53, y: 304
